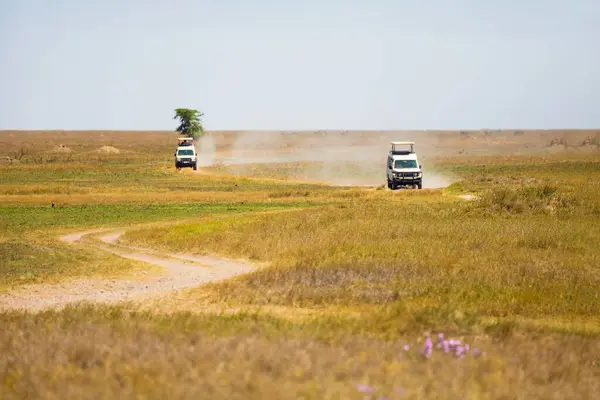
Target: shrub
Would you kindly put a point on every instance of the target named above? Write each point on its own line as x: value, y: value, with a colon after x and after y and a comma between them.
x: 544, y: 198
x: 591, y: 141
x: 558, y: 141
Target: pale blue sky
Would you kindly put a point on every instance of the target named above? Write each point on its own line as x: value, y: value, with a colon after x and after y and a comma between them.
x: 329, y: 64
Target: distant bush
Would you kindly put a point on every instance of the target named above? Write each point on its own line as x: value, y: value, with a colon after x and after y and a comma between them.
x: 558, y: 141
x: 591, y: 141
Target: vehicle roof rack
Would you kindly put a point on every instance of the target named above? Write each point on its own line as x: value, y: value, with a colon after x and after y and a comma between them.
x: 186, y: 141
x: 394, y: 150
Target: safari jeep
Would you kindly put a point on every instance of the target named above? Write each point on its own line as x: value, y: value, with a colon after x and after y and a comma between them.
x: 403, y: 168
x: 186, y: 155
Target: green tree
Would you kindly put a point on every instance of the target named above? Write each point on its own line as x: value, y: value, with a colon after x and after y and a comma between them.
x: 189, y: 122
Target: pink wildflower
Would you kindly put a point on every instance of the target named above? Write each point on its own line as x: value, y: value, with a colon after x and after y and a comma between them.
x: 427, y: 347
x: 446, y: 346
x: 428, y: 344
x: 440, y: 340
x: 361, y: 387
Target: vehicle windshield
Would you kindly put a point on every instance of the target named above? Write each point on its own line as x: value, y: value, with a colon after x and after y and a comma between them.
x: 185, y: 152
x: 405, y: 164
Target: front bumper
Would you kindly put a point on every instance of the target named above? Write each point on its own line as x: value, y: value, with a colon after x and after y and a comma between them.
x: 407, y: 180
x: 186, y: 161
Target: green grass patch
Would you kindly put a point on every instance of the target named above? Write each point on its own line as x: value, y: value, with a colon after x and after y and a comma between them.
x: 116, y: 175
x: 30, y: 218
x: 29, y: 255
x: 44, y: 260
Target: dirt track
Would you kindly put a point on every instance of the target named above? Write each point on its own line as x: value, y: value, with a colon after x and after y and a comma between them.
x: 180, y: 271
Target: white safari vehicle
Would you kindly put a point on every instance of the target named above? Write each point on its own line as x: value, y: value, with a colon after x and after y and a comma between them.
x: 186, y: 155
x: 403, y: 168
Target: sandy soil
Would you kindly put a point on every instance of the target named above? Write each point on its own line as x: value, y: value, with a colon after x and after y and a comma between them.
x: 180, y: 271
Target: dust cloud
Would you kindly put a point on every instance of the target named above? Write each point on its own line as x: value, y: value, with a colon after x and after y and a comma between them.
x: 340, y: 158
x: 205, y: 148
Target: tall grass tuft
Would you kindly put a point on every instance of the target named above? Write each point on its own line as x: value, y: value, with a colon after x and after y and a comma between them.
x: 531, y: 199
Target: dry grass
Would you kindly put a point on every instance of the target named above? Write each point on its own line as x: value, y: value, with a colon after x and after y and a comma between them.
x: 353, y: 274
x: 422, y: 253
x: 525, y: 241
x: 521, y: 258
x: 106, y: 352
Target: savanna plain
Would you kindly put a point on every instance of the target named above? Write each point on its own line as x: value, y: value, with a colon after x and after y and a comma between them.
x: 485, y: 284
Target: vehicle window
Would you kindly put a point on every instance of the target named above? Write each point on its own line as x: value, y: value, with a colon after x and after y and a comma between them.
x: 405, y: 164
x: 185, y: 152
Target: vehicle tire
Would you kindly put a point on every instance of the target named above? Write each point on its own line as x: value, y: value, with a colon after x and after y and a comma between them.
x: 394, y: 187
x: 420, y: 185
x: 389, y: 184
x: 195, y: 167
